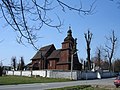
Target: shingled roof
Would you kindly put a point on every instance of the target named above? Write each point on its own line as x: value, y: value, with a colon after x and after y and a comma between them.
x: 42, y: 52
x: 55, y: 54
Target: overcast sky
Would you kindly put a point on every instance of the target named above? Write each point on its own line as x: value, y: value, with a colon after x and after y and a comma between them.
x: 106, y: 17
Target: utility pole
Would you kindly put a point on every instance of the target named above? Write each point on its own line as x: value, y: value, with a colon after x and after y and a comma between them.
x: 73, y: 52
x: 71, y: 66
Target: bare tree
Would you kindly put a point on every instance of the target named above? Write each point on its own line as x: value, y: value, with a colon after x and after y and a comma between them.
x: 28, y: 16
x: 88, y: 37
x: 116, y: 65
x: 99, y: 56
x: 1, y: 68
x: 13, y: 63
x: 110, y: 49
x: 21, y: 64
x: 105, y: 65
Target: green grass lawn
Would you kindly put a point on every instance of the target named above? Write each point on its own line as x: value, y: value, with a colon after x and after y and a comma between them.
x: 10, y: 80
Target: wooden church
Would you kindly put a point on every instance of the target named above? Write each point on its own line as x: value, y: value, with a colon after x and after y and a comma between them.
x: 48, y: 57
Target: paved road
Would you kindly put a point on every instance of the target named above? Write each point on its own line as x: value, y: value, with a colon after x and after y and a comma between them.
x: 43, y: 86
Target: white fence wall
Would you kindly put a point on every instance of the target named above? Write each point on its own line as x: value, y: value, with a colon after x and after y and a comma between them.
x: 40, y: 73
x: 107, y: 74
x: 17, y: 73
x: 26, y: 73
x: 63, y: 74
x: 9, y: 73
x: 88, y: 75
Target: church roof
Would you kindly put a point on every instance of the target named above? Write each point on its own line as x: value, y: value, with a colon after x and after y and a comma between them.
x: 55, y: 54
x: 42, y: 52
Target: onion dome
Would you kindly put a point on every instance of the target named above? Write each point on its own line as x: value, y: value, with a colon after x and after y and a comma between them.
x: 69, y: 36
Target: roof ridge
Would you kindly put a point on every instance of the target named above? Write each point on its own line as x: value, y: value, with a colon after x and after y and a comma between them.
x: 47, y: 45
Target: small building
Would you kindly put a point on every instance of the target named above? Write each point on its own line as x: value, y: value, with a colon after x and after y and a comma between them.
x: 7, y: 67
x: 48, y: 57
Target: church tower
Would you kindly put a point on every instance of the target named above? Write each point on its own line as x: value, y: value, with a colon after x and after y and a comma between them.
x: 68, y: 41
x: 67, y: 46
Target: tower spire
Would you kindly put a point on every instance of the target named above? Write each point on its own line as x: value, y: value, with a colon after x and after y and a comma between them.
x: 69, y: 27
x: 69, y: 31
x: 69, y: 35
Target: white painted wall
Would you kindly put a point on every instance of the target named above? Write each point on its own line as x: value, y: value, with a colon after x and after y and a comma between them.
x: 63, y: 74
x: 26, y: 73
x: 88, y: 75
x: 40, y: 73
x: 107, y: 74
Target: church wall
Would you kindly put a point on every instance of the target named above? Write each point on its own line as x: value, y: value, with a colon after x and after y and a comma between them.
x: 62, y: 67
x: 52, y: 64
x: 65, y: 45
